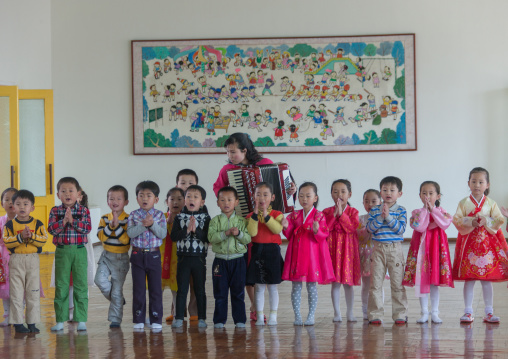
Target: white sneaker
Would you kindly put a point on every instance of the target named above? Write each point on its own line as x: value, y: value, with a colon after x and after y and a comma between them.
x: 139, y: 326
x: 156, y: 327
x: 423, y: 319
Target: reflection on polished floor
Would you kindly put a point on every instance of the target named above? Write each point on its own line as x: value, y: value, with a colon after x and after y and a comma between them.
x: 324, y: 340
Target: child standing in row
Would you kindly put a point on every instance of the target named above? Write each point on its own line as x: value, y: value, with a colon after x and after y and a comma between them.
x: 342, y: 221
x: 371, y: 198
x: 113, y: 264
x: 481, y: 250
x: 266, y: 264
x: 428, y: 261
x: 10, y: 213
x: 307, y: 257
x: 229, y: 238
x: 190, y: 232
x: 175, y: 202
x: 146, y: 227
x: 24, y: 236
x: 70, y: 224
x: 387, y: 223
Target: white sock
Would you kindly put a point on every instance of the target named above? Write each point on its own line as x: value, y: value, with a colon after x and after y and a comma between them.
x: 259, y: 299
x: 350, y: 297
x: 434, y: 302
x: 337, y: 317
x: 424, y: 305
x: 468, y: 296
x: 488, y: 296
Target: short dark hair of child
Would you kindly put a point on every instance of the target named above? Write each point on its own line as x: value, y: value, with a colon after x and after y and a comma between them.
x: 195, y: 187
x: 314, y: 187
x: 71, y: 180
x: 187, y: 172
x: 7, y: 190
x: 436, y: 186
x: 149, y: 185
x: 487, y: 177
x: 24, y: 194
x: 372, y: 191
x: 119, y: 188
x: 264, y: 184
x: 391, y: 180
x: 228, y: 189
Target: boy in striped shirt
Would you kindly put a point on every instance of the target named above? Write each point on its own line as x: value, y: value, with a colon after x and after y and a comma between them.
x: 387, y: 223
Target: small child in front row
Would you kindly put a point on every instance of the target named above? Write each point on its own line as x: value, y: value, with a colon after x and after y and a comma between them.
x: 387, y: 223
x: 371, y: 198
x: 266, y: 264
x: 190, y: 232
x: 342, y: 221
x: 229, y: 238
x: 70, y: 224
x: 307, y: 257
x: 175, y: 200
x: 428, y: 263
x: 481, y: 250
x: 24, y: 236
x: 114, y: 264
x: 146, y: 227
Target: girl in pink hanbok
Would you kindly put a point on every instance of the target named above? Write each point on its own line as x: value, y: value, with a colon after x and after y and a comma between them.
x: 428, y: 263
x: 307, y: 256
x: 8, y: 206
x: 342, y: 221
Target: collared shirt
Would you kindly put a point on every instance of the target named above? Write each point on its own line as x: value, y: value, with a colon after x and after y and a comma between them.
x: 146, y: 237
x: 75, y: 233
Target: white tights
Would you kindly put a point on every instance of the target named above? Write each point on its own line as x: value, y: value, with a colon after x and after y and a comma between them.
x: 273, y: 295
x: 350, y: 296
x: 365, y: 294
x: 434, y: 300
x: 488, y: 296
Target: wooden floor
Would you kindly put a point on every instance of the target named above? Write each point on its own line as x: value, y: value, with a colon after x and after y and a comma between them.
x: 324, y: 340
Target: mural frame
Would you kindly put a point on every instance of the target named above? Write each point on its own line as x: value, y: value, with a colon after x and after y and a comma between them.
x: 386, y: 67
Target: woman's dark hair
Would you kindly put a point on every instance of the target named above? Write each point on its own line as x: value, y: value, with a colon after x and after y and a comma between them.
x: 314, y: 188
x: 436, y: 186
x: 481, y: 170
x: 243, y: 142
x: 7, y: 190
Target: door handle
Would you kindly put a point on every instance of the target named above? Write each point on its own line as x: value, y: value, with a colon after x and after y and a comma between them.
x: 50, y: 178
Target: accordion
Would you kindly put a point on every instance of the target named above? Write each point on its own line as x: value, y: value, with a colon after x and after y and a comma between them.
x: 245, y: 179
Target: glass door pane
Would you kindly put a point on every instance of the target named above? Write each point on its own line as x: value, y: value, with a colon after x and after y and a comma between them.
x: 32, y: 146
x: 5, y: 151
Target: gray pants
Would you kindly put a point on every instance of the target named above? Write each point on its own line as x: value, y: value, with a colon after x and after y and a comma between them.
x: 116, y: 266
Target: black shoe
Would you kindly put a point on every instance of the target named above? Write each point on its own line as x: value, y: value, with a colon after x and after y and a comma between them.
x: 33, y: 329
x: 114, y: 325
x: 20, y: 328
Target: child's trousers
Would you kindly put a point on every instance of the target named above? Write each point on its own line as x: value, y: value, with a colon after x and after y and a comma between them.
x: 71, y: 258
x: 146, y: 267
x: 387, y: 256
x: 229, y: 276
x: 187, y: 266
x: 24, y: 278
x: 115, y: 265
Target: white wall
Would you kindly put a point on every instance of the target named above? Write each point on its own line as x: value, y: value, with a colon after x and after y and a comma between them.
x: 461, y: 82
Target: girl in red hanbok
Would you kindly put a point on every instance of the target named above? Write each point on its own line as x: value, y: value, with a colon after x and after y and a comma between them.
x: 481, y: 250
x: 307, y: 256
x: 342, y: 221
x: 428, y: 263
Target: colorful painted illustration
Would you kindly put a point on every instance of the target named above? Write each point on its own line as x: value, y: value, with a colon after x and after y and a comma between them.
x: 331, y: 94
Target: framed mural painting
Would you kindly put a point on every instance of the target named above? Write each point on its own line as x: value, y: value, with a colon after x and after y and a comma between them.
x: 324, y: 94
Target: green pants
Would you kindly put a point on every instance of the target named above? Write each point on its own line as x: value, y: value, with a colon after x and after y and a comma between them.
x: 71, y: 259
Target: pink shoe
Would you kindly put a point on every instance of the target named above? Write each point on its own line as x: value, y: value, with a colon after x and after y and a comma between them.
x: 467, y: 318
x: 491, y: 318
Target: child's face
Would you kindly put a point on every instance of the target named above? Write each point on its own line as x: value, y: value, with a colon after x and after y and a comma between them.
x: 429, y: 193
x: 175, y: 202
x: 146, y: 199
x: 184, y: 181
x: 307, y: 197
x: 235, y: 155
x: 117, y: 201
x: 8, y: 205
x: 23, y: 208
x: 68, y: 194
x: 264, y: 197
x: 390, y: 193
x: 339, y: 190
x: 370, y: 199
x: 193, y: 200
x: 227, y: 203
x: 478, y: 184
